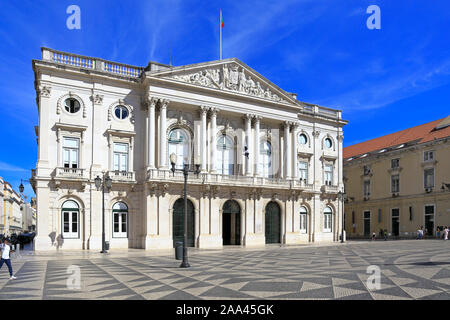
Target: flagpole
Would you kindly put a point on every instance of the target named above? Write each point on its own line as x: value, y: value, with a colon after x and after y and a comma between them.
x: 220, y: 27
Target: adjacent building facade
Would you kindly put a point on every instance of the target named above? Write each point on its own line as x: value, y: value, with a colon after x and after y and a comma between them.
x: 11, y: 204
x: 270, y: 165
x: 399, y: 182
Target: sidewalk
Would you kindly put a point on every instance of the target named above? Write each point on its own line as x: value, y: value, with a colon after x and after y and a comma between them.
x: 30, y: 255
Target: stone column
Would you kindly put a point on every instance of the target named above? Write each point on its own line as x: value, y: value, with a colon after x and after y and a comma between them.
x: 162, y: 134
x: 203, y: 114
x: 294, y: 150
x: 287, y: 150
x: 248, y: 134
x: 213, y: 144
x: 256, y: 157
x: 151, y: 133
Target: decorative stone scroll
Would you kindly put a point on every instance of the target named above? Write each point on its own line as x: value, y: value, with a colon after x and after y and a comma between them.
x: 229, y: 77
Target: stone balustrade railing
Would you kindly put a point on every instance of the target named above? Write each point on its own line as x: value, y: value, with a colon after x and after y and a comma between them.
x: 73, y: 173
x: 318, y: 110
x: 126, y: 176
x: 234, y: 180
x: 91, y: 63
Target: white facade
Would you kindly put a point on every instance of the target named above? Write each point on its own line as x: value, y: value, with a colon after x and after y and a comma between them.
x: 98, y: 117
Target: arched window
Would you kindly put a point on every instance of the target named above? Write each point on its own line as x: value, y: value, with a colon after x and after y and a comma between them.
x: 179, y: 144
x: 120, y: 220
x: 121, y: 112
x: 327, y: 219
x: 328, y: 143
x: 303, y: 220
x: 265, y: 159
x: 302, y: 139
x: 225, y: 155
x: 70, y: 220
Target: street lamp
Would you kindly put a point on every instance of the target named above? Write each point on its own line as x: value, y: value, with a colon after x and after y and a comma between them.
x: 21, y: 187
x: 107, y: 182
x: 185, y: 170
x: 341, y: 196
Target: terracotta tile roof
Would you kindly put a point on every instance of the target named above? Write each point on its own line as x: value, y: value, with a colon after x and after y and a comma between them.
x: 423, y: 133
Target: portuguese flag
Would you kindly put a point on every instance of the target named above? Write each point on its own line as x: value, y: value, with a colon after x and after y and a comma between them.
x: 221, y: 20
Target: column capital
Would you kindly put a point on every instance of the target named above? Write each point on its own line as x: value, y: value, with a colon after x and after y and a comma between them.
x: 203, y: 110
x: 248, y: 116
x: 257, y: 118
x: 214, y: 111
x: 164, y: 103
x: 340, y: 137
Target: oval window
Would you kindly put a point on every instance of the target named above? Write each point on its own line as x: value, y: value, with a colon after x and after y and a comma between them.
x: 302, y: 139
x: 328, y: 143
x: 72, y: 105
x: 121, y: 112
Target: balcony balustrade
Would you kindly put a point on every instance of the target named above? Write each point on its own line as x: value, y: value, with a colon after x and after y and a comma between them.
x: 70, y: 173
x: 91, y: 63
x: 122, y: 176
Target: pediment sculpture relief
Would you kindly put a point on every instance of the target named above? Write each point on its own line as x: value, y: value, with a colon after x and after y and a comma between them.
x: 229, y: 77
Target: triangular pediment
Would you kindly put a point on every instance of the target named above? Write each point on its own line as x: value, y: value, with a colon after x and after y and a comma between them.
x: 227, y: 75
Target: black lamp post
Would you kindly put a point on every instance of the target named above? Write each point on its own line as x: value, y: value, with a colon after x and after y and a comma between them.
x: 185, y: 170
x: 21, y: 187
x: 106, y: 181
x: 341, y: 196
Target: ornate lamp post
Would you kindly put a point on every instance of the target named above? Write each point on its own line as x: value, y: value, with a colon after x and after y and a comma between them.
x: 106, y: 181
x: 185, y: 170
x: 341, y: 196
x: 21, y: 187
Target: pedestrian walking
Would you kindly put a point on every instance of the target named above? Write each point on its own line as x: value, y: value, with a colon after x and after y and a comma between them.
x: 385, y: 234
x: 419, y: 234
x: 446, y: 233
x: 374, y: 235
x: 6, y: 249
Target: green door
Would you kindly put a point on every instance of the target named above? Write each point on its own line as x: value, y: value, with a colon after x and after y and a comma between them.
x: 178, y: 222
x: 273, y: 223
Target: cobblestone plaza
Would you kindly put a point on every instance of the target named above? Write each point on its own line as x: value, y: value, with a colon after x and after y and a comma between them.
x: 410, y: 269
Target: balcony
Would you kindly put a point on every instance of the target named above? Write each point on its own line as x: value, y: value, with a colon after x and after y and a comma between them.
x: 230, y: 180
x: 329, y: 188
x: 63, y: 173
x: 122, y: 176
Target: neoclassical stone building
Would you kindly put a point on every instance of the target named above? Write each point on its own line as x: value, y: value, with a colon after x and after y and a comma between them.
x: 270, y: 165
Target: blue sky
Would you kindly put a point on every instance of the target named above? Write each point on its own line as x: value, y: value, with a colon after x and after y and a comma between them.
x: 384, y: 80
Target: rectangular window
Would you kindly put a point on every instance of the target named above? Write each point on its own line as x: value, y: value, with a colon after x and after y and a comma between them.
x: 327, y: 222
x: 395, y: 163
x: 366, y: 170
x: 120, y: 224
x: 120, y: 157
x: 328, y: 174
x: 303, y: 170
x: 428, y: 156
x: 366, y: 188
x: 303, y: 222
x: 70, y: 150
x: 395, y: 183
x: 428, y: 178
x: 70, y: 224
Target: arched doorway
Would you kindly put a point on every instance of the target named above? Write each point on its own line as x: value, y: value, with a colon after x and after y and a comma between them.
x: 273, y: 223
x: 178, y: 222
x: 231, y: 223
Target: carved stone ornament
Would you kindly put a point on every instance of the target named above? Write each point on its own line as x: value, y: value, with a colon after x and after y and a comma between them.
x: 97, y: 99
x: 229, y: 77
x: 45, y: 91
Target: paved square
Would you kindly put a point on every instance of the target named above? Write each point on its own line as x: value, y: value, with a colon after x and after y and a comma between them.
x: 410, y: 269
